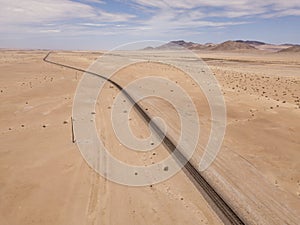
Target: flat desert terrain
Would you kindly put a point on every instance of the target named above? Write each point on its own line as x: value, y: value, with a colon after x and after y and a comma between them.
x: 45, y: 180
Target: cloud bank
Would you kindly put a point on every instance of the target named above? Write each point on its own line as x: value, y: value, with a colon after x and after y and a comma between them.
x: 157, y: 18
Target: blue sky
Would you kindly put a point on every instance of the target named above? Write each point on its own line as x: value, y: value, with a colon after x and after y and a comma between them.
x: 103, y: 24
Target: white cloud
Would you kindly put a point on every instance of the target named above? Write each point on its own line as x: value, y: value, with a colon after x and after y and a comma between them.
x: 41, y: 11
x: 93, y: 24
x: 47, y: 11
x: 192, y: 14
x: 188, y: 4
x: 232, y: 8
x: 288, y: 12
x: 66, y: 17
x: 50, y: 31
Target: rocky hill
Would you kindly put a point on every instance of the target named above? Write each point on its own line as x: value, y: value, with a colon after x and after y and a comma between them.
x: 233, y: 46
x: 238, y: 45
x: 295, y: 48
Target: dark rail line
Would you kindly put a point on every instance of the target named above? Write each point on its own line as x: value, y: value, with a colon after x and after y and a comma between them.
x: 223, y: 210
x: 73, y: 136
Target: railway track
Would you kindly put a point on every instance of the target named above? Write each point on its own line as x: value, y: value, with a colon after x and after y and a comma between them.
x: 222, y: 209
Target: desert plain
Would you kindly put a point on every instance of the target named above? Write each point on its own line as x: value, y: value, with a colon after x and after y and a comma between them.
x: 45, y: 180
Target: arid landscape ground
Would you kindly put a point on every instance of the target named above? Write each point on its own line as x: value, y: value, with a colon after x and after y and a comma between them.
x: 45, y: 180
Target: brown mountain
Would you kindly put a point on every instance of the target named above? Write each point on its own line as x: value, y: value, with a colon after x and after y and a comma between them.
x: 253, y: 43
x: 238, y: 45
x: 178, y: 45
x: 295, y: 48
x: 232, y: 46
x: 226, y: 46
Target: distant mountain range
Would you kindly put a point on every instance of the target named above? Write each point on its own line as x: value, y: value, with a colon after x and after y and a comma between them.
x: 252, y: 42
x: 237, y: 45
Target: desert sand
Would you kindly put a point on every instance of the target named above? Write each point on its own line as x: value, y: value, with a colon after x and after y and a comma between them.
x: 45, y: 180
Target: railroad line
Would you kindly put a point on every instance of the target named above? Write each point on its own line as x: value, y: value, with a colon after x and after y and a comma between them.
x: 222, y: 209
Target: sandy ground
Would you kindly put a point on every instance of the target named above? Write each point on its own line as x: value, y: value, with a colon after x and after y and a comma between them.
x: 44, y: 180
